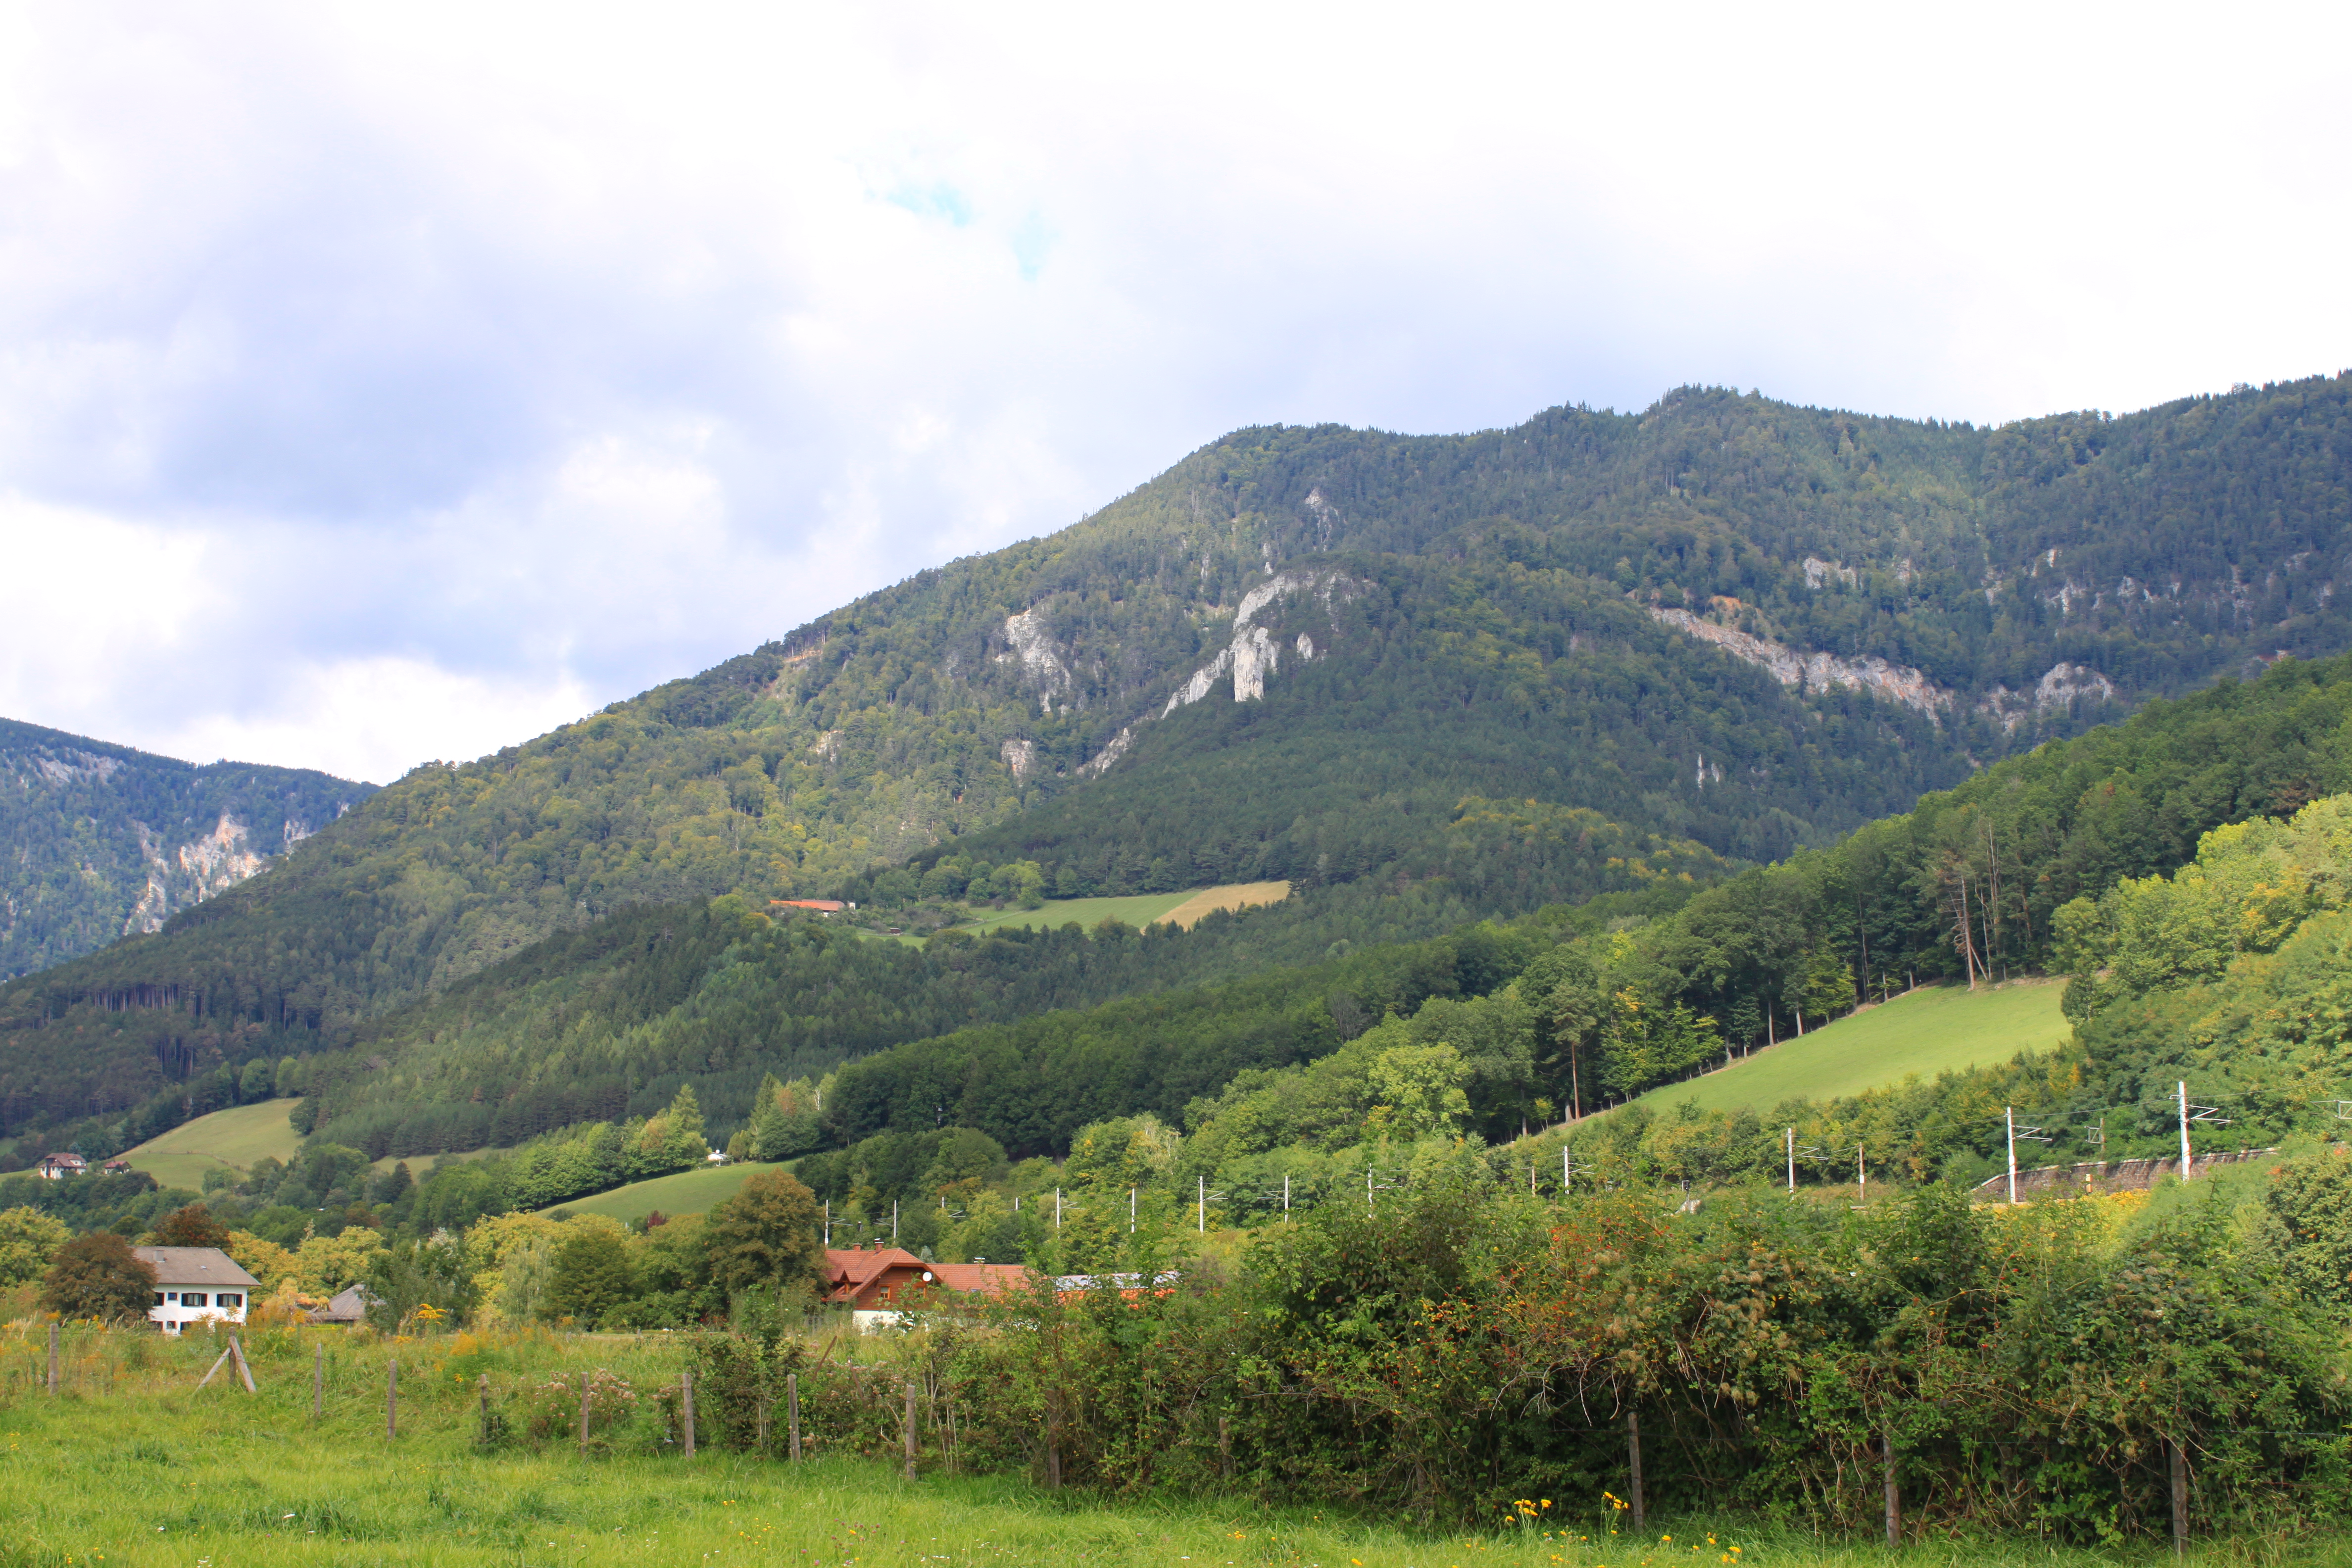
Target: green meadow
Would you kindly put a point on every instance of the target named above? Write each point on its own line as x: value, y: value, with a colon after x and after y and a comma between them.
x: 684, y: 1191
x: 1935, y: 1029
x: 133, y: 1464
x: 1138, y: 910
x: 226, y: 1140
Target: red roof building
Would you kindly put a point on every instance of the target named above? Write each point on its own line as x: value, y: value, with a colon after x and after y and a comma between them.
x: 876, y: 1280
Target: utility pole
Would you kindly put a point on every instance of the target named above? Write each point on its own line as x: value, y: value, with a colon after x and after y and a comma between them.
x: 2008, y: 1115
x: 1058, y: 1208
x: 894, y: 1222
x: 1861, y: 1172
x: 1130, y: 1211
x: 1792, y: 1161
x: 1201, y: 1217
x: 2185, y: 1168
x: 1286, y: 1191
x: 828, y: 1219
x: 1564, y: 1170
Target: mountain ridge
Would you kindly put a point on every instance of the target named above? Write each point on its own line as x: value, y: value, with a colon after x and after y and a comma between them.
x: 1508, y: 648
x: 111, y: 841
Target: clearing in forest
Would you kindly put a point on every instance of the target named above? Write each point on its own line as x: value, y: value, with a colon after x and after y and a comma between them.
x: 1935, y: 1029
x: 683, y: 1192
x: 225, y: 1140
x: 1182, y: 909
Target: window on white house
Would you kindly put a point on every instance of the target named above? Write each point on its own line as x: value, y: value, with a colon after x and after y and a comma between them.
x: 228, y: 1299
x: 159, y: 1298
x: 191, y: 1297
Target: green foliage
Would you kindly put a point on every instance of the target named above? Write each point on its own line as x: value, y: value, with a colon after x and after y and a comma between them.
x: 766, y: 1236
x: 29, y: 1240
x: 99, y: 1276
x: 193, y: 1225
x: 592, y: 1277
x: 409, y: 1276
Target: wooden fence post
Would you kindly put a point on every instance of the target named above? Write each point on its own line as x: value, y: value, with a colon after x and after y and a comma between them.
x: 686, y: 1410
x: 1894, y: 1496
x: 793, y: 1413
x: 2179, y: 1466
x: 244, y: 1369
x: 584, y: 1414
x: 391, y: 1400
x: 318, y: 1383
x: 910, y: 1429
x: 1633, y: 1464
x: 53, y: 1361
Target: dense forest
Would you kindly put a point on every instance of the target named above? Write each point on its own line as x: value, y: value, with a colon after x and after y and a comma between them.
x: 108, y: 841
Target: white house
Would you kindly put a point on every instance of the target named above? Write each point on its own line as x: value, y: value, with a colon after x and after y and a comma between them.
x: 195, y: 1285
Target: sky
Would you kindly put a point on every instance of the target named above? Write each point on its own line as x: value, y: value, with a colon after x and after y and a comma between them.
x: 385, y: 384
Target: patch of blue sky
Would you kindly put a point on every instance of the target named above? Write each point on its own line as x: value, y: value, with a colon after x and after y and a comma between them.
x: 936, y: 200
x: 1031, y: 239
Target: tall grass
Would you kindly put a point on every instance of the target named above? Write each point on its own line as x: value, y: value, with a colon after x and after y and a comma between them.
x: 131, y: 1464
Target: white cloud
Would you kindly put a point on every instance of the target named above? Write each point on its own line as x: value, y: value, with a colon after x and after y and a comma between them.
x: 418, y: 373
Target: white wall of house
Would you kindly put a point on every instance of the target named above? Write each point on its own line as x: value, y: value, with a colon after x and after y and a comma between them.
x: 175, y: 1308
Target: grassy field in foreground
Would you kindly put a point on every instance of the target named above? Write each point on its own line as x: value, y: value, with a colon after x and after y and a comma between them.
x: 1140, y: 910
x: 135, y: 1468
x: 234, y: 1138
x: 686, y: 1192
x: 1940, y: 1028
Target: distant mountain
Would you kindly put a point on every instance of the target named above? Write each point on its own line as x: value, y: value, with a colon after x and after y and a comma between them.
x: 105, y: 842
x: 1418, y: 675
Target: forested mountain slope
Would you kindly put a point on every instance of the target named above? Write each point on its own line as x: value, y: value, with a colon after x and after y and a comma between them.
x: 1724, y: 620
x: 105, y: 841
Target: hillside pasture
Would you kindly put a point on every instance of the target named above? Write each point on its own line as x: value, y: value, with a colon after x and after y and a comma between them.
x: 683, y: 1192
x: 1932, y: 1030
x: 1183, y: 910
x: 225, y: 1140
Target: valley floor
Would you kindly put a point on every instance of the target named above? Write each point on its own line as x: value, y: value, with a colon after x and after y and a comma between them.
x: 133, y: 1464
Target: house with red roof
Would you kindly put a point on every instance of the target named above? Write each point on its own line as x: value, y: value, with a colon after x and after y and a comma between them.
x: 875, y: 1283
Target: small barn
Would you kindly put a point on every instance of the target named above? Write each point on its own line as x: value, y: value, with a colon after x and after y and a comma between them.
x: 348, y: 1308
x: 196, y: 1285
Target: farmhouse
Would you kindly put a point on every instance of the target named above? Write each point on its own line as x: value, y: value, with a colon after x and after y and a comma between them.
x: 196, y: 1285
x: 55, y: 1167
x: 873, y: 1283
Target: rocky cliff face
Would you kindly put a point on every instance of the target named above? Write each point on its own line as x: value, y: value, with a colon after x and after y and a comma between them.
x: 190, y: 873
x: 110, y: 842
x: 2061, y: 685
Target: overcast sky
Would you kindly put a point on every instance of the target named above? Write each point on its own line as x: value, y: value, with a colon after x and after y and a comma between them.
x: 387, y: 383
